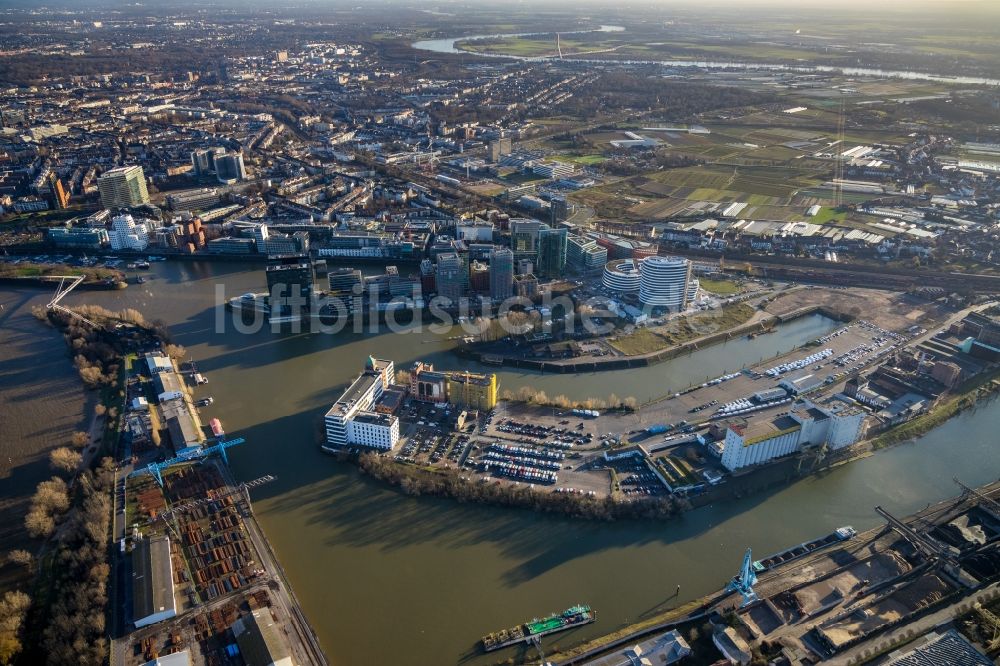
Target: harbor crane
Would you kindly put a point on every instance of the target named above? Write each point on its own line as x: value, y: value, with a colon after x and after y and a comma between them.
x: 745, y: 580
x: 156, y: 468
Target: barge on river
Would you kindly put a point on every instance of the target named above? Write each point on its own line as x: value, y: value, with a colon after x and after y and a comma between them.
x: 803, y: 549
x: 530, y: 631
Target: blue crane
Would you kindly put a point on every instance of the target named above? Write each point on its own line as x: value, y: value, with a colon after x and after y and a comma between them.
x: 745, y: 580
x: 156, y: 468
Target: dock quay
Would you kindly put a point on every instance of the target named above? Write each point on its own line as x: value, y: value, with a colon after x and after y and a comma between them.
x: 886, y: 586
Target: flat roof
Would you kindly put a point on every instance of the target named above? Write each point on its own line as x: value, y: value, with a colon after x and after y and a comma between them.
x: 375, y: 418
x: 757, y: 429
x: 471, y: 378
x: 167, y: 382
x: 358, y: 388
x: 260, y: 639
x: 180, y: 423
x: 152, y: 578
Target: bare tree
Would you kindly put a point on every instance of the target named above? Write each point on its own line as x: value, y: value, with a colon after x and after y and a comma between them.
x: 65, y: 460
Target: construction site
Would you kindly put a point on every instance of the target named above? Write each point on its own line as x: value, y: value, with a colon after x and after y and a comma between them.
x: 878, y: 591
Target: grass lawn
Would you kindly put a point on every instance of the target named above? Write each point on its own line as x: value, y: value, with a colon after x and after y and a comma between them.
x: 643, y: 341
x: 827, y: 214
x: 683, y: 329
x: 719, y: 287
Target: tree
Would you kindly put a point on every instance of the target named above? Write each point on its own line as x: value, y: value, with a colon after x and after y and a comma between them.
x: 52, y: 495
x: 80, y: 439
x: 21, y: 557
x: 65, y: 460
x: 176, y: 351
x: 39, y: 523
x: 13, y: 608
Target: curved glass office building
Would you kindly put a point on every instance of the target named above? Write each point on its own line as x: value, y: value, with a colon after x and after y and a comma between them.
x: 622, y: 276
x: 665, y: 282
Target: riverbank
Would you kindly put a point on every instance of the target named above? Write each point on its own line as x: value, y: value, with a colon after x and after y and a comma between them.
x: 416, y: 479
x: 805, y: 570
x: 436, y: 482
x: 765, y: 324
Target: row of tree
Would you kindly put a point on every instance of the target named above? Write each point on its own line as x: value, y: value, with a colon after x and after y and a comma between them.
x: 72, y: 627
x: 446, y: 483
x: 534, y: 396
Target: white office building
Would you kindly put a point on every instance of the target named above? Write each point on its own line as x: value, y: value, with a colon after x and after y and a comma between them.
x: 622, y: 276
x: 374, y: 430
x: 664, y: 282
x: 359, y: 397
x: 127, y: 234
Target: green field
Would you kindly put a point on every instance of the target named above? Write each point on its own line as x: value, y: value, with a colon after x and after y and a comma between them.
x: 719, y: 287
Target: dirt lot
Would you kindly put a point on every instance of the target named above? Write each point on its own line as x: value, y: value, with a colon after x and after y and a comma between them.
x: 837, y: 587
x: 893, y: 311
x: 924, y: 591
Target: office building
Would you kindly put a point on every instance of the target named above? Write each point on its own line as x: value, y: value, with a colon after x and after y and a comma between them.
x: 560, y: 209
x: 296, y: 243
x: 360, y: 397
x: 427, y: 384
x: 525, y: 267
x: 498, y: 148
x: 664, y: 282
x: 428, y: 281
x: 805, y: 425
x: 584, y: 255
x: 343, y: 280
x: 289, y: 286
x: 501, y: 274
x: 229, y: 168
x: 524, y: 235
x: 192, y: 200
x: 479, y: 277
x: 83, y: 237
x: 202, y: 161
x: 123, y: 187
x: 551, y: 252
x: 553, y: 169
x: 622, y: 276
x: 128, y: 234
x: 472, y: 391
x: 374, y: 430
x: 525, y: 286
x: 449, y: 278
x: 228, y: 245
x: 152, y: 582
x: 468, y: 390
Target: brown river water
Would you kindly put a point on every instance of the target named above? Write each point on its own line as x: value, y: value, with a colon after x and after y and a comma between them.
x: 386, y: 578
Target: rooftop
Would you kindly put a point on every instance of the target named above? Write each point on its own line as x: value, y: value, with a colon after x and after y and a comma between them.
x: 354, y: 392
x: 374, y: 418
x: 152, y: 577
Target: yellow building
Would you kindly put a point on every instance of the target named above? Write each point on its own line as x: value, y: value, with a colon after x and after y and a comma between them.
x: 472, y: 391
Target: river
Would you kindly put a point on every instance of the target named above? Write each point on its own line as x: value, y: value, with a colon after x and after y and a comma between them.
x: 386, y: 578
x: 448, y: 45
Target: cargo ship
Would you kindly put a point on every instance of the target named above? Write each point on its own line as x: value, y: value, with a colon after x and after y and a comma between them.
x: 529, y: 631
x: 805, y: 548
